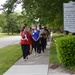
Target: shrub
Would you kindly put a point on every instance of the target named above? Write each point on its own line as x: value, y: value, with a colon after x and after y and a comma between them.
x: 66, y: 50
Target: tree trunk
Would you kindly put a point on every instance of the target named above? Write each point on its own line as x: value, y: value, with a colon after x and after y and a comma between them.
x: 8, y: 30
x: 12, y: 31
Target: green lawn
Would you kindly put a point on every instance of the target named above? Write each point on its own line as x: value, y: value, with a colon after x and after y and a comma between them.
x: 53, y: 54
x: 2, y: 35
x: 56, y: 35
x: 8, y: 56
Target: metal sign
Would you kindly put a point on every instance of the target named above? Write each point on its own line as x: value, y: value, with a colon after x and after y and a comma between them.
x: 69, y: 16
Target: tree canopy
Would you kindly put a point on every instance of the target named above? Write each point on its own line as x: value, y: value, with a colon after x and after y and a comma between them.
x: 49, y: 12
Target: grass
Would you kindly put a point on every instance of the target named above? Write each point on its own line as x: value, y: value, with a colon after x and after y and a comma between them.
x: 2, y: 35
x: 53, y: 54
x: 56, y: 35
x: 8, y: 56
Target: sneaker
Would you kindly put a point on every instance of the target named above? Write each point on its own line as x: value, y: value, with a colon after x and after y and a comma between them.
x: 43, y: 51
x: 27, y: 57
x: 37, y: 55
x: 34, y: 53
x: 25, y: 60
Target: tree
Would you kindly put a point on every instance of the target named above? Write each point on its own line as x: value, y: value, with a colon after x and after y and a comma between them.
x: 11, y: 23
x: 14, y: 23
x: 2, y: 20
x: 48, y: 11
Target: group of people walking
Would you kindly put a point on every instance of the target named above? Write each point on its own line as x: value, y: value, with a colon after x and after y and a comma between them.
x: 33, y: 38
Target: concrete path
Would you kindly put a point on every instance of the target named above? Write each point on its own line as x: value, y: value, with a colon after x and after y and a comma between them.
x: 9, y: 40
x: 33, y: 66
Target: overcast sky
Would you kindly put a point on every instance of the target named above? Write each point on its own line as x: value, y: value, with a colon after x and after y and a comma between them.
x: 18, y: 8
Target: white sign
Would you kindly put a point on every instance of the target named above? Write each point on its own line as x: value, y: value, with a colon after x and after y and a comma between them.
x: 69, y: 16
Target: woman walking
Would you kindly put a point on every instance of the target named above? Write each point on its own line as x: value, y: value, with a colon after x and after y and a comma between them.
x: 25, y: 43
x: 42, y: 38
x: 35, y: 36
x: 30, y: 39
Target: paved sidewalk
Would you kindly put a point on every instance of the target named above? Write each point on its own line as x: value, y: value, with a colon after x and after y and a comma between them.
x: 33, y: 66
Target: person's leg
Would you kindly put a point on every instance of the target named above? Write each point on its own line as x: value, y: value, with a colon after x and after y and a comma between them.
x: 43, y: 43
x: 45, y: 40
x: 30, y: 49
x: 32, y: 44
x: 23, y: 50
x: 38, y: 47
x: 35, y: 43
x: 27, y: 50
x: 35, y: 46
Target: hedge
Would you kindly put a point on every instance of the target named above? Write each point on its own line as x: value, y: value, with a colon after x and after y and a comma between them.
x: 65, y: 47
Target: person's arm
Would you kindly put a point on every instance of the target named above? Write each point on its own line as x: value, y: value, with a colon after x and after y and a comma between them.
x: 22, y: 34
x: 38, y: 35
x: 33, y: 35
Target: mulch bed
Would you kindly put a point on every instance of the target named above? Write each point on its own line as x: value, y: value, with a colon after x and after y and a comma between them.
x: 56, y: 65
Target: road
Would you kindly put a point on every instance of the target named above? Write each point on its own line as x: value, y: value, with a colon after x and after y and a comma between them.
x: 9, y: 41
